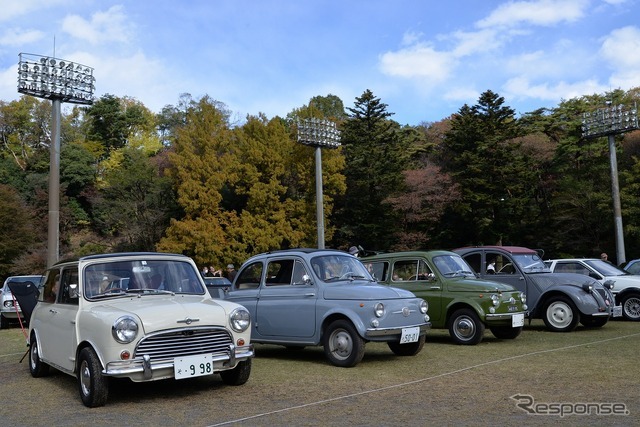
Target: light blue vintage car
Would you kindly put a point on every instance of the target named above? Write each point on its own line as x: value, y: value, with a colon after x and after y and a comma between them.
x: 304, y: 297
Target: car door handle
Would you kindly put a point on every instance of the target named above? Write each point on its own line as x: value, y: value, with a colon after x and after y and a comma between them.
x: 310, y: 294
x: 436, y: 288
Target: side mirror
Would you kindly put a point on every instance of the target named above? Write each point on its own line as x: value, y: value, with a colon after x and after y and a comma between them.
x: 73, y: 290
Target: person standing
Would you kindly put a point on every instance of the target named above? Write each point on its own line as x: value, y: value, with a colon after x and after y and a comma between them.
x: 231, y: 272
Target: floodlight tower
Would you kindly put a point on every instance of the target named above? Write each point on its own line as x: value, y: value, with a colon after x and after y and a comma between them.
x: 319, y: 133
x: 611, y: 121
x: 60, y: 81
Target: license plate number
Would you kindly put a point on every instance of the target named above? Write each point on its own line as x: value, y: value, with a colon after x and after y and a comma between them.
x: 192, y: 366
x: 517, y: 320
x: 617, y: 311
x: 409, y: 335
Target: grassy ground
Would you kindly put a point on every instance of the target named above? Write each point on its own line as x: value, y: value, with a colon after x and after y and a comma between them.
x: 445, y: 384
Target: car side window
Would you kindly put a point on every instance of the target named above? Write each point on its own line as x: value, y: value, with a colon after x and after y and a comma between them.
x: 474, y: 261
x: 279, y: 272
x: 571, y: 267
x: 378, y: 270
x: 249, y: 277
x: 69, y: 286
x: 51, y: 286
x: 405, y: 270
x: 299, y: 271
x: 499, y: 263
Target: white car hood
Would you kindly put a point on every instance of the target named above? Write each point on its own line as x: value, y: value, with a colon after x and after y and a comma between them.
x: 623, y: 282
x: 158, y: 312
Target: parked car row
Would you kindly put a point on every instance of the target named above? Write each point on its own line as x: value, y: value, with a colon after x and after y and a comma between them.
x: 151, y: 316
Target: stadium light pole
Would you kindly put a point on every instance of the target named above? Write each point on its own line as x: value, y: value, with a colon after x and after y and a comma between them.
x: 611, y: 121
x: 319, y: 133
x: 60, y: 81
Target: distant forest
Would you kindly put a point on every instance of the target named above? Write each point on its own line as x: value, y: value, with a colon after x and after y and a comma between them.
x: 191, y: 180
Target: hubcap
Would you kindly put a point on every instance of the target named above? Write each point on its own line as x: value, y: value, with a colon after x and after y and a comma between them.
x: 632, y: 307
x: 341, y: 345
x: 559, y: 314
x: 465, y: 328
x: 85, y: 378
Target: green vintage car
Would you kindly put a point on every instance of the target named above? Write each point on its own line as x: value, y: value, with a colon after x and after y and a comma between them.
x: 458, y: 300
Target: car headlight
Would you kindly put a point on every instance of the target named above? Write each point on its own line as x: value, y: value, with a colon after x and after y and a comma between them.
x: 587, y: 287
x: 379, y: 309
x: 424, y: 307
x: 125, y: 329
x: 8, y: 303
x: 523, y: 297
x: 495, y: 299
x: 239, y: 319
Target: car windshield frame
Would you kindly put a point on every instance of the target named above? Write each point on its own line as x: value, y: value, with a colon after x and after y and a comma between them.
x: 125, y: 277
x: 450, y: 265
x: 333, y: 268
x: 605, y: 268
x: 531, y: 263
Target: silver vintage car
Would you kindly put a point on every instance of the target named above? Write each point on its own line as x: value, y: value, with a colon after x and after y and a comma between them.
x: 303, y: 297
x: 142, y: 316
x: 561, y: 300
x: 9, y: 310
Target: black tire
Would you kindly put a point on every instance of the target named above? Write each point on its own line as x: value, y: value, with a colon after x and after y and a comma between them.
x: 409, y: 349
x: 4, y: 322
x: 631, y: 307
x: 37, y: 367
x: 505, y: 332
x: 238, y: 375
x: 93, y: 386
x: 560, y: 314
x: 465, y: 327
x: 593, y: 322
x: 343, y: 346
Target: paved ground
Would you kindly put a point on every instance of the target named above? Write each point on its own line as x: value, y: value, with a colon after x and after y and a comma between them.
x: 445, y: 384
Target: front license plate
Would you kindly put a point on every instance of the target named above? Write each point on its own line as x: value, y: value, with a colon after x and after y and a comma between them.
x: 192, y: 366
x: 517, y: 320
x: 410, y: 335
x: 617, y: 311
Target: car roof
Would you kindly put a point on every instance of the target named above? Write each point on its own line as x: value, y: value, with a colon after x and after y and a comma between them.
x: 410, y: 254
x: 119, y: 255
x: 510, y: 249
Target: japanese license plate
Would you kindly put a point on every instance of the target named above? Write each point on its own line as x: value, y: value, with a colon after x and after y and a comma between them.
x: 410, y: 335
x: 192, y: 366
x: 517, y: 320
x: 617, y: 311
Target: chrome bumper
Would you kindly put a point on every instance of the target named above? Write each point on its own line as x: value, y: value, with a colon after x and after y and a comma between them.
x: 146, y: 366
x: 381, y: 332
x: 503, y: 316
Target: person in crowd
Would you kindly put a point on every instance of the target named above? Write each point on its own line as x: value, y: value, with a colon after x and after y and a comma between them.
x: 604, y: 257
x: 231, y: 272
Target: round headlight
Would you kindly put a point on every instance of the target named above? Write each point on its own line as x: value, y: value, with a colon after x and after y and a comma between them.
x: 495, y: 299
x: 424, y: 307
x: 125, y: 329
x: 239, y: 319
x: 379, y: 309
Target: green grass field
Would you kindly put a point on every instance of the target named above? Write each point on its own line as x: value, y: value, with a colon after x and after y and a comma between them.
x: 445, y: 384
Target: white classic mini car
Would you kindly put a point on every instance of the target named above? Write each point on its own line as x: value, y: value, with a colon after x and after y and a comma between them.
x: 143, y: 316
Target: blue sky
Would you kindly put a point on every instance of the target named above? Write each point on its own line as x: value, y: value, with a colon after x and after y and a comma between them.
x: 423, y: 58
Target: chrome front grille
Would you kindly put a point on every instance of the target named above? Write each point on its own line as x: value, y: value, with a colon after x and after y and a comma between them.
x: 184, y: 342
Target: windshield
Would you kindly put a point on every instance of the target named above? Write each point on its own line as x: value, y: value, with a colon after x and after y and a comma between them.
x: 531, y: 263
x: 605, y: 268
x: 332, y: 268
x: 141, y: 277
x: 452, y: 265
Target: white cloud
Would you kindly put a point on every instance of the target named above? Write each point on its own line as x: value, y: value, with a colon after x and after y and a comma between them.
x: 469, y: 43
x: 537, y: 12
x: 15, y: 37
x: 103, y: 27
x: 621, y: 51
x: 419, y: 61
x: 15, y: 8
x: 521, y: 88
x: 462, y: 94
